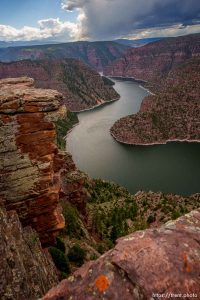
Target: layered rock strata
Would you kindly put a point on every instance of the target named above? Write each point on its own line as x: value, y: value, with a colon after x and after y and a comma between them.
x: 144, y: 265
x: 170, y: 115
x: 30, y: 163
x: 155, y: 60
x: 95, y: 54
x: 26, y: 270
x: 82, y: 87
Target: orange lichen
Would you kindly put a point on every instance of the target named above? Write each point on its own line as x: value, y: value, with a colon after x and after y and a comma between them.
x: 185, y: 259
x: 102, y: 283
x: 186, y: 264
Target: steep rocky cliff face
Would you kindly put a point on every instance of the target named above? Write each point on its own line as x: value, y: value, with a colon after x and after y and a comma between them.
x: 95, y: 54
x: 82, y: 87
x: 30, y: 163
x: 26, y: 270
x: 171, y: 67
x: 155, y: 60
x: 171, y: 115
x: 143, y: 265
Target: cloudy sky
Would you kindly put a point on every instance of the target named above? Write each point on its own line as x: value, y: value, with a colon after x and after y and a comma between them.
x: 69, y: 20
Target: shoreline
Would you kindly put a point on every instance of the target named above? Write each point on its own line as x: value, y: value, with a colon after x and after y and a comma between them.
x: 95, y: 106
x: 127, y: 78
x: 69, y: 131
x: 87, y: 109
x: 155, y: 143
x: 141, y: 81
x: 142, y: 87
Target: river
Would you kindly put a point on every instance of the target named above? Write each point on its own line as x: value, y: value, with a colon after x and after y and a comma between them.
x: 171, y: 168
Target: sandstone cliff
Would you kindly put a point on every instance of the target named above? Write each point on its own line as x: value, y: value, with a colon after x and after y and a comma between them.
x: 171, y: 115
x: 26, y: 270
x: 171, y: 68
x: 82, y: 87
x: 30, y: 162
x: 95, y: 54
x: 155, y: 60
x: 160, y: 261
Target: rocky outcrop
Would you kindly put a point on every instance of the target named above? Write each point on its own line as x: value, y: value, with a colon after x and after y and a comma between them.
x: 171, y: 115
x: 155, y: 60
x: 82, y: 87
x: 144, y: 265
x: 95, y: 54
x: 30, y: 163
x: 73, y: 185
x: 26, y: 270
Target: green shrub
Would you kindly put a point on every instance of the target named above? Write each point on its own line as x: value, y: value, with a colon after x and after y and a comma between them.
x: 63, y: 275
x: 63, y: 126
x: 102, y: 248
x: 60, y: 244
x: 73, y: 227
x: 60, y: 259
x: 175, y: 214
x: 77, y: 254
x: 151, y: 219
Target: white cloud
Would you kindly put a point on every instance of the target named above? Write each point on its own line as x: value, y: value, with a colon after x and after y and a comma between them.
x: 176, y: 30
x: 109, y: 19
x: 47, y: 29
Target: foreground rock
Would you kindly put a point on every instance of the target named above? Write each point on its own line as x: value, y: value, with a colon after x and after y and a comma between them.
x: 82, y: 87
x: 142, y: 265
x: 30, y: 163
x: 26, y: 270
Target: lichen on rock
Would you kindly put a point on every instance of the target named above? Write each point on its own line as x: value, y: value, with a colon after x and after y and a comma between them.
x: 30, y: 162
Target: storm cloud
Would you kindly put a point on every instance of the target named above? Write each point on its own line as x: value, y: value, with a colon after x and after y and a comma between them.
x: 108, y: 19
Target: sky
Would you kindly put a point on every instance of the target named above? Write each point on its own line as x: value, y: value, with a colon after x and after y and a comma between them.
x: 71, y: 20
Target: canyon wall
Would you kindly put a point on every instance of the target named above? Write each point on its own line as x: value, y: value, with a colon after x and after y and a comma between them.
x: 155, y: 60
x: 26, y: 270
x: 96, y: 54
x: 171, y: 69
x: 170, y: 115
x: 30, y: 162
x: 82, y: 87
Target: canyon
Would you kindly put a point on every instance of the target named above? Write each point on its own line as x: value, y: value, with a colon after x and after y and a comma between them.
x: 95, y: 54
x: 170, y: 69
x: 154, y: 61
x: 170, y: 115
x: 82, y: 87
x: 132, y: 246
x: 37, y: 179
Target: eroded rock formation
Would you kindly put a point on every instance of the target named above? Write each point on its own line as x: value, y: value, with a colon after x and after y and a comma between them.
x: 30, y: 162
x: 162, y: 261
x: 26, y: 270
x: 82, y: 87
x: 155, y: 60
x: 171, y: 68
x: 171, y: 115
x: 95, y: 54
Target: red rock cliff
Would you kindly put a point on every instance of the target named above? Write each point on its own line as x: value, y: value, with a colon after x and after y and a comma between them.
x: 155, y: 60
x: 150, y: 264
x: 30, y: 162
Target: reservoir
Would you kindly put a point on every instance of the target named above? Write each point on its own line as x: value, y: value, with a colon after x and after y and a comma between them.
x: 172, y: 168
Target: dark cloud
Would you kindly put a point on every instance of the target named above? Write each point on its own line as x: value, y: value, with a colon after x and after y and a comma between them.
x: 113, y: 18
